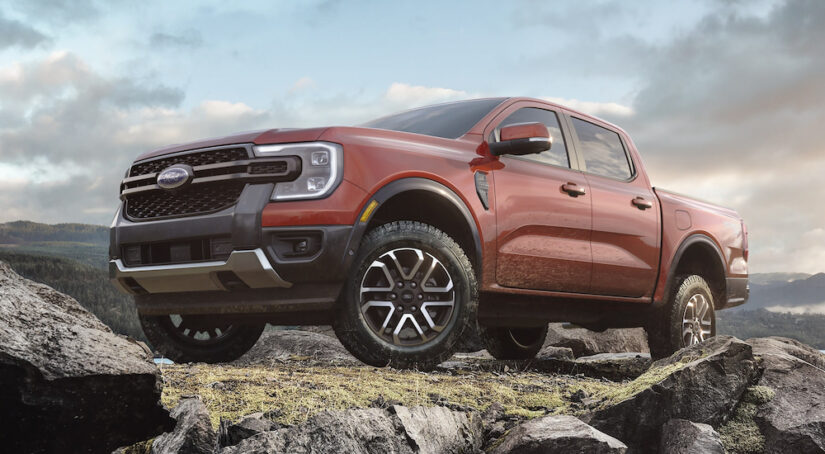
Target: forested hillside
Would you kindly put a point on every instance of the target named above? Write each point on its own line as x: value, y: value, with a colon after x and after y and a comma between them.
x: 79, y: 242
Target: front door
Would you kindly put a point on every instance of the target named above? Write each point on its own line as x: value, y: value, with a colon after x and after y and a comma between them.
x: 543, y: 214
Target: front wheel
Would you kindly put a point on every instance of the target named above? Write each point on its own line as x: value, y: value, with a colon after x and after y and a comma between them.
x: 410, y: 299
x: 199, y: 338
x: 513, y: 343
x: 688, y: 319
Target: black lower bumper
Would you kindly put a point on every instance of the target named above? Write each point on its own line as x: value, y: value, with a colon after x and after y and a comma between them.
x: 738, y: 291
x: 225, y: 262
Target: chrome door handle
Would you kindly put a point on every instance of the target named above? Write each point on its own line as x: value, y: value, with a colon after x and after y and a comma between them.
x: 642, y: 203
x: 573, y: 190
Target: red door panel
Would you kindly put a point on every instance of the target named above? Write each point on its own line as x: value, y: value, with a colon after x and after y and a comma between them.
x: 544, y: 233
x: 625, y: 238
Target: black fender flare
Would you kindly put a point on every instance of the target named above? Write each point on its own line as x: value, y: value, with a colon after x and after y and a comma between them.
x: 696, y: 238
x: 399, y: 186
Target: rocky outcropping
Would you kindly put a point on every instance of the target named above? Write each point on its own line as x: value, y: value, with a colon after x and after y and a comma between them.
x: 584, y: 342
x: 67, y: 383
x: 702, y: 383
x: 556, y: 434
x: 791, y: 418
x: 281, y: 345
x: 374, y: 431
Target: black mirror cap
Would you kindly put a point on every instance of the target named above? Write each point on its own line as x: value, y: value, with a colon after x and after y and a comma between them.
x: 521, y: 147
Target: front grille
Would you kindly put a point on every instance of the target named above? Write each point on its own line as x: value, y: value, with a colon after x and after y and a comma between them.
x: 192, y: 159
x: 194, y: 200
x: 220, y: 175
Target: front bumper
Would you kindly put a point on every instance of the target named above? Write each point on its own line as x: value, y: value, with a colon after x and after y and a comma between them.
x: 267, y: 270
x: 251, y: 267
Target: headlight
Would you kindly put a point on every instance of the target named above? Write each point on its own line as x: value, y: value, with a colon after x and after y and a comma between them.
x: 322, y: 165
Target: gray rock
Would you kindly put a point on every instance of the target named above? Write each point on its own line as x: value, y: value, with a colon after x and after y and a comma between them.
x: 556, y: 434
x: 193, y: 433
x: 67, y: 383
x: 395, y: 430
x: 250, y: 425
x: 702, y: 383
x: 615, y: 366
x: 280, y: 345
x: 550, y: 351
x: 440, y: 430
x: 793, y: 419
x: 584, y: 342
x: 680, y: 436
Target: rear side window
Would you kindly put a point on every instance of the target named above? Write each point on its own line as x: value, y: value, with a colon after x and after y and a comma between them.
x: 602, y: 150
x: 557, y: 154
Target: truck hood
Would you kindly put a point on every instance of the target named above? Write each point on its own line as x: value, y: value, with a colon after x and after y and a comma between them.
x: 283, y: 135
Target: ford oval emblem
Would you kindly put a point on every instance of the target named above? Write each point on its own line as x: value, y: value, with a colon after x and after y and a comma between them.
x: 175, y: 176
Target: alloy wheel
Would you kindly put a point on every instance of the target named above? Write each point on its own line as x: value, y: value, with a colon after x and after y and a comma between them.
x: 697, y: 320
x: 197, y: 330
x: 407, y: 297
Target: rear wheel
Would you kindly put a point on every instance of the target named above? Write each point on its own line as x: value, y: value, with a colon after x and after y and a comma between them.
x: 688, y: 319
x: 198, y: 338
x: 513, y: 343
x: 410, y: 299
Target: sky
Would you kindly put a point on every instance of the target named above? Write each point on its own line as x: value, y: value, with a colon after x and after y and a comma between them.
x: 725, y: 99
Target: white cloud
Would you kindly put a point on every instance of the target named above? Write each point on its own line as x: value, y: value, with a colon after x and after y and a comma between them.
x: 419, y: 95
x: 302, y: 84
x: 594, y: 108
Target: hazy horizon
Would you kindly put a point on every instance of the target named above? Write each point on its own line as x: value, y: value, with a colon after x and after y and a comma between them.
x: 723, y: 99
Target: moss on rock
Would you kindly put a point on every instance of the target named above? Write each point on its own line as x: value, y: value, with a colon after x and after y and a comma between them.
x: 740, y: 434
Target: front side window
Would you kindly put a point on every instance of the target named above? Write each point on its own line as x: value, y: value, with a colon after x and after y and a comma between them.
x: 557, y: 154
x: 602, y: 150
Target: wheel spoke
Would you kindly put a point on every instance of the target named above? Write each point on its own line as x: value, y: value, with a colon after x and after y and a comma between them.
x: 390, y: 280
x: 413, y: 269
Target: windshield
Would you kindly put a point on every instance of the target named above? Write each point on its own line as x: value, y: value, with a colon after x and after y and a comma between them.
x: 449, y: 121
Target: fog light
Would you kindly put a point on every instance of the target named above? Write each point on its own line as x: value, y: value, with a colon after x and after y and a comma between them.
x: 220, y: 248
x: 316, y: 184
x: 132, y: 254
x: 320, y: 158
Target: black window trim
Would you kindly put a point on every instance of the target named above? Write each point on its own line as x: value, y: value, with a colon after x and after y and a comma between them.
x: 572, y: 159
x: 579, y: 150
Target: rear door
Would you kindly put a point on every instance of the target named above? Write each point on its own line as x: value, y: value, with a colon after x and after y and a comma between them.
x: 625, y: 236
x: 543, y: 232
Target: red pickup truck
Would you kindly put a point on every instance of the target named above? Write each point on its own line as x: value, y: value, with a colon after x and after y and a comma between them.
x: 409, y: 231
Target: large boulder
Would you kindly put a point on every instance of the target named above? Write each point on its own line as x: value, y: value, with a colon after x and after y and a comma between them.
x: 559, y: 433
x: 584, y: 342
x: 67, y: 383
x: 792, y: 419
x: 702, y: 383
x: 680, y: 436
x: 280, y: 345
x: 397, y: 429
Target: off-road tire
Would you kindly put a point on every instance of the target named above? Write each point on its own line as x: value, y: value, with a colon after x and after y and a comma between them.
x: 351, y: 326
x: 161, y: 334
x: 665, y: 329
x: 513, y: 343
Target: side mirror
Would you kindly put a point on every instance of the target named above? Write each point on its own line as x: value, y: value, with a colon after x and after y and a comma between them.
x: 522, y: 139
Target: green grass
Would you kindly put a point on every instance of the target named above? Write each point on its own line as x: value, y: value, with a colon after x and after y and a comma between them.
x: 300, y: 390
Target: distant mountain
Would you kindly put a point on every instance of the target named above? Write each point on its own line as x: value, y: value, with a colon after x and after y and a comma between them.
x: 85, y: 243
x: 775, y: 278
x: 798, y: 296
